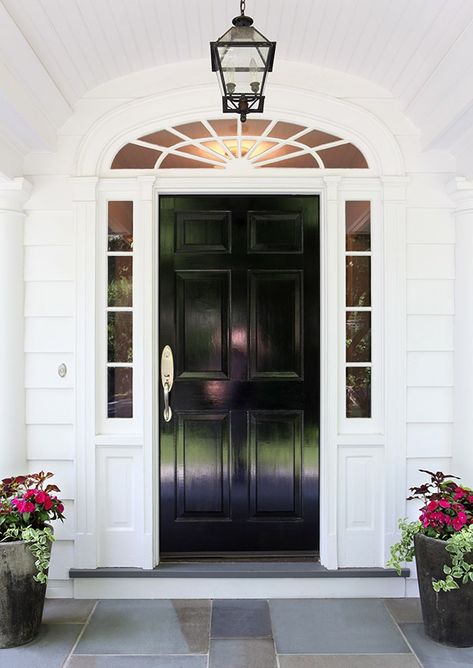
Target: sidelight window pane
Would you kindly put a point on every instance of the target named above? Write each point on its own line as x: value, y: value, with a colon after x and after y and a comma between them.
x: 120, y: 226
x: 120, y: 336
x: 358, y: 226
x: 358, y: 336
x: 120, y: 281
x: 120, y: 392
x: 358, y: 392
x: 358, y: 280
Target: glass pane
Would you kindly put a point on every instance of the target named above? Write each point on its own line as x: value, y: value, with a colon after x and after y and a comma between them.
x: 284, y: 149
x: 347, y: 156
x: 120, y: 281
x: 283, y: 130
x: 200, y: 152
x: 120, y: 392
x: 358, y: 395
x: 254, y: 127
x: 162, y: 138
x: 358, y: 280
x: 132, y: 156
x: 358, y: 333
x: 225, y: 127
x: 358, y: 226
x: 300, y: 161
x: 120, y: 226
x: 177, y: 162
x: 317, y: 138
x: 193, y: 130
x: 120, y: 337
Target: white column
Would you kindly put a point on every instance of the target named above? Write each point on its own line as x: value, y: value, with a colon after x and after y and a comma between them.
x: 462, y: 193
x: 13, y: 195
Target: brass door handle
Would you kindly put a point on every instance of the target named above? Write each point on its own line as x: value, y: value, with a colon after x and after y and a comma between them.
x: 167, y: 380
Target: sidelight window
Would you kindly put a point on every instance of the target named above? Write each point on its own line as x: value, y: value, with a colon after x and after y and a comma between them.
x: 120, y: 310
x: 358, y: 309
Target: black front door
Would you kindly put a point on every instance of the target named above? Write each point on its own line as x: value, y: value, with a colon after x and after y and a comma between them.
x: 239, y: 307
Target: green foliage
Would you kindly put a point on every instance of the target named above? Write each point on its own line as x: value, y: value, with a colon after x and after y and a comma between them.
x: 404, y: 549
x: 460, y: 547
x: 39, y: 543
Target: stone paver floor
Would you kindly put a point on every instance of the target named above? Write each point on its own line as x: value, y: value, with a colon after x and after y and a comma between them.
x: 283, y: 633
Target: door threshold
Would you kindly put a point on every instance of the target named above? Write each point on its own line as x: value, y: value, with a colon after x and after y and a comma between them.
x: 251, y: 557
x: 239, y: 569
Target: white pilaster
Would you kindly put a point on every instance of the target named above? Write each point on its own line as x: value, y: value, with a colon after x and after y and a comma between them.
x: 13, y: 195
x: 462, y: 195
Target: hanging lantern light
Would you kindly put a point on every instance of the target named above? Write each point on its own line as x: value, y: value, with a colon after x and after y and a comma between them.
x: 242, y: 58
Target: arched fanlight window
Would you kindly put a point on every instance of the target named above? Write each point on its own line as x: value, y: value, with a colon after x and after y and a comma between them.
x: 212, y: 144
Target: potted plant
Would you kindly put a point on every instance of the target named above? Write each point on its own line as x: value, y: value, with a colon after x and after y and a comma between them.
x: 442, y: 543
x: 27, y: 505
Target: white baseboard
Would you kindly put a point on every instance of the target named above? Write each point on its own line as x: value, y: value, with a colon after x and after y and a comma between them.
x: 60, y: 589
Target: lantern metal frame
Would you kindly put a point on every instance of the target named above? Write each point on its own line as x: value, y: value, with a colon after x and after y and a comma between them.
x: 251, y: 101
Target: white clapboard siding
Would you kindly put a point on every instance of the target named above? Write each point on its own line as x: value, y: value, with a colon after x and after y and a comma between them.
x: 49, y: 298
x: 49, y: 335
x: 49, y: 263
x: 44, y: 406
x: 65, y: 530
x: 430, y: 297
x: 429, y: 404
x: 430, y: 369
x: 49, y: 228
x: 41, y: 370
x: 50, y: 441
x: 61, y: 559
x: 425, y: 439
x: 64, y: 474
x: 430, y: 332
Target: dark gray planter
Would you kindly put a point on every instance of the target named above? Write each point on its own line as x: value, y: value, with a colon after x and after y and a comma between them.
x: 448, y: 616
x: 21, y: 597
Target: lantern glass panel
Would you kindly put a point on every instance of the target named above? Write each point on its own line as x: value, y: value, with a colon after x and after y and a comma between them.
x: 243, y: 67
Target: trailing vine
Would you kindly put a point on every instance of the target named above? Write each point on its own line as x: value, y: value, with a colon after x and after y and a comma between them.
x: 39, y: 543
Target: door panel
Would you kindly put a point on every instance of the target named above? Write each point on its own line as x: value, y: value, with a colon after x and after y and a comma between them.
x: 239, y: 306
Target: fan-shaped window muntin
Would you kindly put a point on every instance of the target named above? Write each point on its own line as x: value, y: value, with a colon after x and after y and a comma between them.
x: 212, y: 144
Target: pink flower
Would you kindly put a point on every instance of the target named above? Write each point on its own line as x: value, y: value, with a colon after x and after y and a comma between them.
x: 462, y: 517
x: 29, y: 493
x: 444, y: 503
x: 457, y: 525
x: 459, y: 493
x: 40, y: 496
x: 48, y: 504
x: 470, y: 498
x: 432, y: 505
x: 28, y: 507
x: 60, y: 508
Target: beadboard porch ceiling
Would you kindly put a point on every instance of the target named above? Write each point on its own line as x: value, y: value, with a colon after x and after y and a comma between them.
x: 52, y: 53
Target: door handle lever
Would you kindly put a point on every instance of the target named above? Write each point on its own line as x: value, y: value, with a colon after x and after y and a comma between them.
x: 167, y: 380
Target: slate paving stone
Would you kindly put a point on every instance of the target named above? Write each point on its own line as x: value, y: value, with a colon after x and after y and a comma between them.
x: 404, y: 610
x: 350, y: 661
x: 67, y: 610
x: 328, y: 626
x: 147, y: 627
x: 137, y: 662
x: 240, y: 619
x: 242, y: 653
x: 434, y: 655
x: 48, y: 650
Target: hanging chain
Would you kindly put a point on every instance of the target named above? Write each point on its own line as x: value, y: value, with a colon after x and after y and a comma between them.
x: 242, y: 7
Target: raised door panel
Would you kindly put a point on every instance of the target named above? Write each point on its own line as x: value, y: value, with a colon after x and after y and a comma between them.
x: 275, y: 232
x: 202, y: 314
x: 203, y: 232
x: 276, y: 325
x: 202, y: 466
x: 276, y: 446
